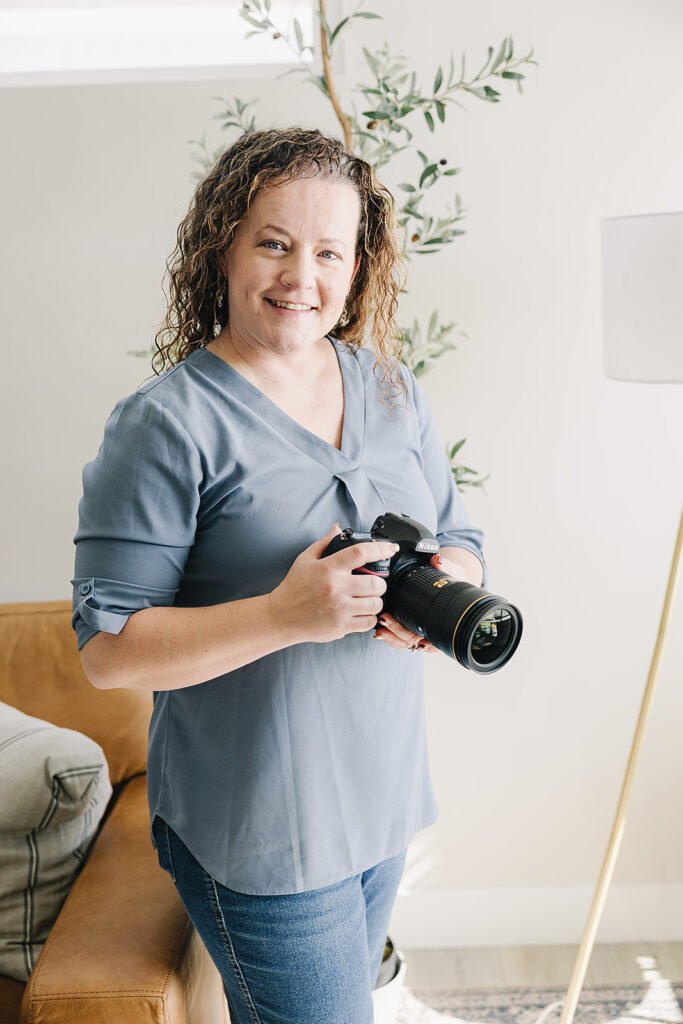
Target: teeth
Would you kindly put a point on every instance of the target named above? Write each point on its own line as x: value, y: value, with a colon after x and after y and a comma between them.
x: 289, y: 305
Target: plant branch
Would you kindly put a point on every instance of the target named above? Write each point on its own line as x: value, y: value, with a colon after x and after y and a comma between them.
x: 329, y: 81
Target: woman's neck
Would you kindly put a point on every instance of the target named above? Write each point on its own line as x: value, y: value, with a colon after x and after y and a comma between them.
x: 277, y: 371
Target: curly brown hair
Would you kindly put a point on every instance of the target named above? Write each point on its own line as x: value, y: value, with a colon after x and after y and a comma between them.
x: 221, y: 202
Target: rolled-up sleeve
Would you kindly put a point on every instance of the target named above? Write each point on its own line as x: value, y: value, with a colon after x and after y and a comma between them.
x: 136, y: 519
x: 454, y: 527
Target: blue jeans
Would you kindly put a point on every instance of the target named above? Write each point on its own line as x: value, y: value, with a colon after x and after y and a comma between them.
x: 305, y: 958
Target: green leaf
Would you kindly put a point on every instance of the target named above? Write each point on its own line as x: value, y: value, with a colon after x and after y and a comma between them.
x: 438, y: 80
x: 476, y: 91
x: 451, y: 171
x: 408, y: 188
x: 371, y: 61
x: 436, y: 241
x: 441, y: 110
x: 422, y: 157
x: 376, y: 115
x: 299, y: 34
x: 510, y: 74
x: 430, y: 120
x: 500, y: 56
x: 319, y: 80
x: 366, y: 14
x: 429, y: 170
x: 338, y: 29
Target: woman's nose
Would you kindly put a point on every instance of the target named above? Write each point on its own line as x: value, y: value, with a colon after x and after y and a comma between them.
x: 298, y: 271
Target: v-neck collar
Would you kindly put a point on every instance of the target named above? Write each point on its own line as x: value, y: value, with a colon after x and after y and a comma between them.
x: 353, y: 427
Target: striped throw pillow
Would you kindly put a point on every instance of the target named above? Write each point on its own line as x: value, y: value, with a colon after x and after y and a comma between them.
x: 54, y: 790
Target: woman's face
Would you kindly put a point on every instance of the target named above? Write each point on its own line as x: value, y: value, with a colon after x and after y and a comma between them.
x: 297, y: 245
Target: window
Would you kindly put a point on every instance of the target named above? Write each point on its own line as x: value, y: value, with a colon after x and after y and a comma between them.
x: 68, y: 44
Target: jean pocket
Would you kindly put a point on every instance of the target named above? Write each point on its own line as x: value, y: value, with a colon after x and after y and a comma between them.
x: 161, y: 836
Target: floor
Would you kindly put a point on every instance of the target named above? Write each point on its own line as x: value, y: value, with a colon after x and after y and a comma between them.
x: 502, y: 966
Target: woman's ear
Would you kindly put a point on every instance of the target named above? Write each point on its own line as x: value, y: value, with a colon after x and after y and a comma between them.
x: 355, y: 267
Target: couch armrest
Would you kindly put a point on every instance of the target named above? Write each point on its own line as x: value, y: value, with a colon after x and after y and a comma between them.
x: 123, y: 948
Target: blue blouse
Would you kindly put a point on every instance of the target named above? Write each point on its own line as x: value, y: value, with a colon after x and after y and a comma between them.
x: 310, y: 764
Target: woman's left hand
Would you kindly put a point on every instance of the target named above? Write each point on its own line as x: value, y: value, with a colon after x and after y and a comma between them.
x: 392, y: 632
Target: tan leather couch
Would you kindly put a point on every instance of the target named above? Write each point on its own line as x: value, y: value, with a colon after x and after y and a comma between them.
x: 122, y: 949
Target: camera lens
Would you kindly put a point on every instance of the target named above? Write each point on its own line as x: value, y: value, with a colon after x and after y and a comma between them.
x: 478, y: 629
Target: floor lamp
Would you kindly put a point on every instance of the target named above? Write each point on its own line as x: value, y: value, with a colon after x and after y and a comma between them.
x: 642, y: 305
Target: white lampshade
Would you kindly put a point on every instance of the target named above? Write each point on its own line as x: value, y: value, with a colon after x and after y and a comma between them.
x: 642, y: 297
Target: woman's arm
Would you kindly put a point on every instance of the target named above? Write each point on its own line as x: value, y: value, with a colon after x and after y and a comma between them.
x: 168, y: 648
x: 473, y: 569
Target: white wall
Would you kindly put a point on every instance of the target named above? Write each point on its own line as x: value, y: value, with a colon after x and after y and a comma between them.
x: 581, y: 509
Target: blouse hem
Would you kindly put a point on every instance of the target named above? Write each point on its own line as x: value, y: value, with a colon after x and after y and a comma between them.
x: 293, y: 892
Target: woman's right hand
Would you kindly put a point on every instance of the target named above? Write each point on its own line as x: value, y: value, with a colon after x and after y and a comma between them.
x: 321, y: 599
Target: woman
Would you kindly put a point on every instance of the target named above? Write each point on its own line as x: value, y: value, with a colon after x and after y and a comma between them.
x: 287, y: 762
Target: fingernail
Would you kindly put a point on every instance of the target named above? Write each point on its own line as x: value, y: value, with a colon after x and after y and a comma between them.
x: 376, y: 636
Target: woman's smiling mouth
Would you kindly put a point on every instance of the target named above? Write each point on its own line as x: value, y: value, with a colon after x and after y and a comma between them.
x: 290, y: 307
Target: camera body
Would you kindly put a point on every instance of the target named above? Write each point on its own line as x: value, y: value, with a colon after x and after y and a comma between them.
x: 478, y: 629
x: 417, y: 548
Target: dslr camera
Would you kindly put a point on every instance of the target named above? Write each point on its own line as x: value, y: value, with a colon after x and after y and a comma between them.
x: 478, y: 629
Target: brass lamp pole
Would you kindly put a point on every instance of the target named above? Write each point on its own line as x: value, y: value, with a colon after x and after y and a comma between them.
x: 642, y: 270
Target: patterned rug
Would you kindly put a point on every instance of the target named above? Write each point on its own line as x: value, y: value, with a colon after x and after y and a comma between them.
x: 656, y: 1002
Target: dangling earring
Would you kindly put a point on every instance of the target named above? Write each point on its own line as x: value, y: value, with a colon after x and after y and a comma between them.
x: 344, y: 318
x: 222, y: 285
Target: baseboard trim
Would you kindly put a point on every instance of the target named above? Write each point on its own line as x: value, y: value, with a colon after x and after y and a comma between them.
x: 434, y: 919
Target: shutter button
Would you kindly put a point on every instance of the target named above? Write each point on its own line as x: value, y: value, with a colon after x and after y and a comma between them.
x: 85, y: 588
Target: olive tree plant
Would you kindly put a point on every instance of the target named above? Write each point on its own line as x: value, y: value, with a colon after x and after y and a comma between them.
x: 376, y: 127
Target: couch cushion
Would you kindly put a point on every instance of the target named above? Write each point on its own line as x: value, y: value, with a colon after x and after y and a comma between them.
x: 123, y: 948
x: 55, y: 789
x: 40, y: 673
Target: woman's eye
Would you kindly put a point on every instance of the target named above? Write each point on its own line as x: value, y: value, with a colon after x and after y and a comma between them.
x: 273, y: 242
